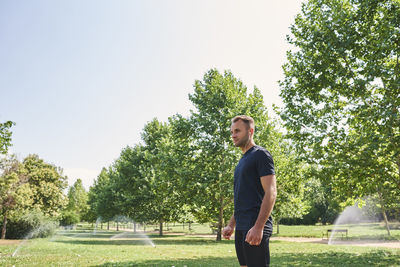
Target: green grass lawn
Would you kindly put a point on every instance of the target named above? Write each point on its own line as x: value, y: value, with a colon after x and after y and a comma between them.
x: 355, y: 231
x: 86, y: 248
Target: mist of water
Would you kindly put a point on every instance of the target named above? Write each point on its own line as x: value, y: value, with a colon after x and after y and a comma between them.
x: 97, y: 224
x: 144, y: 238
x: 67, y: 230
x: 35, y: 232
x: 350, y: 215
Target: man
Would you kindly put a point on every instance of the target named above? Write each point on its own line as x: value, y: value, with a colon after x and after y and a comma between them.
x: 254, y: 197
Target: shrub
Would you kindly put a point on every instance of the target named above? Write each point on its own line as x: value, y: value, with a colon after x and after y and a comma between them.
x: 69, y: 217
x: 31, y: 225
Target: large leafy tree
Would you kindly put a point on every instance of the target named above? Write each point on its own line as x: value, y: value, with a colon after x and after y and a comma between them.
x: 77, y: 199
x: 30, y: 186
x: 159, y: 172
x: 103, y: 195
x: 147, y: 184
x: 47, y: 184
x: 342, y: 95
x: 132, y: 184
x: 217, y: 99
x: 15, y: 193
x: 5, y: 136
x: 290, y: 175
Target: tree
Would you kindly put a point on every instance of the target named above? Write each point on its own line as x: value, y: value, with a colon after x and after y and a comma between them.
x: 90, y: 215
x: 132, y: 184
x: 77, y: 199
x: 217, y: 99
x: 160, y: 173
x: 342, y: 95
x: 103, y: 195
x: 5, y: 136
x: 15, y: 194
x: 290, y: 178
x: 142, y: 182
x: 47, y: 184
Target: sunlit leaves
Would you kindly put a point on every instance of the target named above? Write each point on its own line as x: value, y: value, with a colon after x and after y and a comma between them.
x: 341, y: 93
x: 5, y: 136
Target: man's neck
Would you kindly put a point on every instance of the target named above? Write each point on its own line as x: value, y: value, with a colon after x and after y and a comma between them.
x: 247, y: 147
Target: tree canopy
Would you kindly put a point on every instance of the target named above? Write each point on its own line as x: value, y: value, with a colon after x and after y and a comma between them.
x: 5, y: 136
x: 341, y: 93
x: 30, y: 186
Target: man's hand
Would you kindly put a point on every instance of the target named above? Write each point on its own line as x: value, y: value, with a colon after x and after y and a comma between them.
x: 254, y: 236
x: 227, y: 232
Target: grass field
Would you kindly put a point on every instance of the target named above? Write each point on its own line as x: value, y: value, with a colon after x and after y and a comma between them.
x: 355, y: 231
x: 110, y: 248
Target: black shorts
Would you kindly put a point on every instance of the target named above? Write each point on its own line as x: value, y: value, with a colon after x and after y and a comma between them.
x: 252, y: 256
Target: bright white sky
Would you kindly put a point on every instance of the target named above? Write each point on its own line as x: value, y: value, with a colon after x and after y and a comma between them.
x: 81, y: 78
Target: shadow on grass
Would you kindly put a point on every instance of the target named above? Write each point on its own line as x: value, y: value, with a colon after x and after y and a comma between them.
x: 378, y: 258
x: 140, y: 241
x: 200, y: 262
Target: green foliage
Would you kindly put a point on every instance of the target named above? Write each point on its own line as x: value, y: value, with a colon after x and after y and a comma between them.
x: 217, y: 99
x: 30, y: 225
x: 133, y: 187
x: 323, y: 205
x: 77, y: 200
x: 291, y: 175
x: 159, y: 166
x: 14, y: 187
x: 5, y: 136
x: 47, y: 184
x: 69, y: 217
x: 26, y: 187
x: 342, y: 95
x: 143, y: 180
x: 15, y: 192
x: 102, y: 200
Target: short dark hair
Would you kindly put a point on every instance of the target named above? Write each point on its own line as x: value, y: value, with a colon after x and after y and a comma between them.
x: 246, y: 119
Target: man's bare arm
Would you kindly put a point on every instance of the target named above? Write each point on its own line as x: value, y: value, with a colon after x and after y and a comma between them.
x: 268, y: 183
x: 228, y: 230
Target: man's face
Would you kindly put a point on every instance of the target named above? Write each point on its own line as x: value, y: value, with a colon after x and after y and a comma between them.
x: 240, y: 134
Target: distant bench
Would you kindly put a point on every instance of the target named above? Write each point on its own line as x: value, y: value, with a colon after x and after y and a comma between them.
x: 342, y: 231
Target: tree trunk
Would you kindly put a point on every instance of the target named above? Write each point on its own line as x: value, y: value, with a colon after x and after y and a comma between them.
x: 134, y: 227
x: 4, y: 228
x: 101, y: 225
x: 161, y: 227
x: 117, y: 226
x: 384, y: 212
x: 108, y: 225
x: 386, y: 220
x: 277, y: 227
x: 398, y: 166
x: 220, y: 217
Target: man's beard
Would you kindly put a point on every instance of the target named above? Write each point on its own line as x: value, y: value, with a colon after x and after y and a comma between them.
x: 243, y: 142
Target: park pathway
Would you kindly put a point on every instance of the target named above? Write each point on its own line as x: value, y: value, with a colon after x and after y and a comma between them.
x: 363, y: 243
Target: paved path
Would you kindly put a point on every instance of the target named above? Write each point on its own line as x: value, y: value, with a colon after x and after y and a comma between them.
x: 9, y: 241
x: 363, y: 243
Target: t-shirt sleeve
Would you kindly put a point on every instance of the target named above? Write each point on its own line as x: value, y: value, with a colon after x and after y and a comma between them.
x: 265, y: 164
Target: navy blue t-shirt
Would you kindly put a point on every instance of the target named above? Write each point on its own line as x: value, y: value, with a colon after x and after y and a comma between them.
x: 248, y: 190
